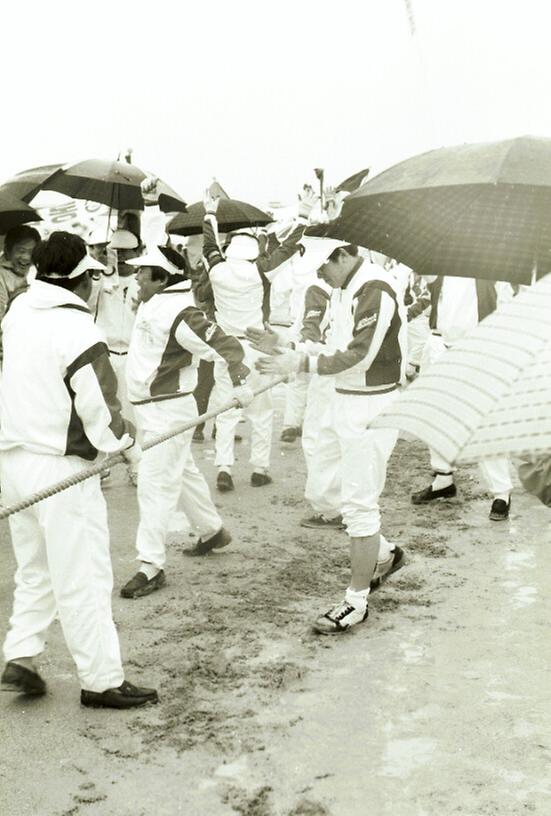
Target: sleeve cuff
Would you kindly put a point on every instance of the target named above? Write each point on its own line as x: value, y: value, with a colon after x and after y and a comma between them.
x: 311, y: 364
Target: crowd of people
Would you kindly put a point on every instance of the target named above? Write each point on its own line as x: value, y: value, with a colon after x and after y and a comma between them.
x: 110, y: 343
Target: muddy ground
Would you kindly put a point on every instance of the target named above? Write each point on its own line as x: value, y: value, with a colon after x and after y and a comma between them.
x: 438, y: 706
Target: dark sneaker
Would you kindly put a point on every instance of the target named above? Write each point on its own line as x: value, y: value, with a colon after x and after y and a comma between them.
x: 260, y: 479
x: 224, y: 482
x: 397, y: 562
x: 20, y: 680
x: 340, y: 618
x: 198, y: 435
x: 141, y: 585
x: 320, y: 522
x: 125, y: 696
x: 220, y: 539
x: 428, y: 494
x: 290, y: 434
x: 500, y: 510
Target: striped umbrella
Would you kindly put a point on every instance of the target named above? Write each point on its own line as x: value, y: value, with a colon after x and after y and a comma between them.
x: 490, y: 395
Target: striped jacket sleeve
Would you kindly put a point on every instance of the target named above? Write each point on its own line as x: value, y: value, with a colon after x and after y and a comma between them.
x: 372, y: 317
x: 212, y: 253
x: 268, y: 264
x: 96, y: 412
x: 199, y: 335
x: 316, y: 303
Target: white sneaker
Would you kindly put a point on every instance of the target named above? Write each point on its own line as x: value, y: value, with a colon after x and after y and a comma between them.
x: 341, y: 618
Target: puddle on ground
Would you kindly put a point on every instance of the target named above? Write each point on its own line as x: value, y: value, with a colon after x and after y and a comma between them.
x: 404, y: 756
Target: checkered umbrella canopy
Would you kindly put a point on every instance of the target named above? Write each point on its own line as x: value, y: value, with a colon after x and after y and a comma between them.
x: 480, y: 210
x: 489, y: 395
x: 14, y: 212
x: 231, y: 215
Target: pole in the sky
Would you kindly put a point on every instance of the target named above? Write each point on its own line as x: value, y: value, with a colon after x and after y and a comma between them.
x: 411, y: 17
x: 320, y: 175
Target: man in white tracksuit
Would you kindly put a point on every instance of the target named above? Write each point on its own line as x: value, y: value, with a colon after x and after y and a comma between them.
x: 170, y: 336
x: 457, y: 306
x: 115, y: 312
x: 236, y: 276
x: 59, y: 410
x: 368, y: 333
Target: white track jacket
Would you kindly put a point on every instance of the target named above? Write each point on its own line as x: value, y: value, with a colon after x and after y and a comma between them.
x: 58, y: 386
x: 169, y: 338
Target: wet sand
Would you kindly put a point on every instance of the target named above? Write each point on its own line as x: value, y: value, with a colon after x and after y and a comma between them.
x: 437, y: 706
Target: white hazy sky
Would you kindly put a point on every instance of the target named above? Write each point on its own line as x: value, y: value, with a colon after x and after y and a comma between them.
x: 258, y: 94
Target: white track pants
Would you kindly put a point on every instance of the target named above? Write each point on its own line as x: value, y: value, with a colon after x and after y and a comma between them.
x: 321, y: 451
x: 348, y: 450
x: 260, y: 413
x: 61, y: 546
x: 296, y: 392
x: 118, y: 361
x: 167, y: 474
x: 495, y: 472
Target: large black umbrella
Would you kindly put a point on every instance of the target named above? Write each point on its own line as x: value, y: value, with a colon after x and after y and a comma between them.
x: 480, y: 210
x: 28, y: 183
x: 231, y: 215
x: 113, y: 183
x: 14, y: 212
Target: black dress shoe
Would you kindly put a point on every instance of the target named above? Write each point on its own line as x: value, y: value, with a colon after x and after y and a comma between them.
x: 125, y: 696
x: 260, y: 479
x: 224, y: 482
x: 500, y: 510
x: 141, y: 585
x: 21, y: 680
x: 220, y: 539
x: 428, y: 494
x: 290, y: 434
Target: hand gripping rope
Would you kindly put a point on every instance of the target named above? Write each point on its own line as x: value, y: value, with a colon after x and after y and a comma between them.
x: 117, y: 458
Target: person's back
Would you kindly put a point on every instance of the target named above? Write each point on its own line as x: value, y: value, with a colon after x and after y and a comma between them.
x: 48, y: 336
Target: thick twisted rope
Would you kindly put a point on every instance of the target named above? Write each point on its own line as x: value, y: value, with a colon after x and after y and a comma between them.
x: 117, y: 458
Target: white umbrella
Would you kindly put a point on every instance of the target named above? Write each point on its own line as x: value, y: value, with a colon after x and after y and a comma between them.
x: 490, y: 395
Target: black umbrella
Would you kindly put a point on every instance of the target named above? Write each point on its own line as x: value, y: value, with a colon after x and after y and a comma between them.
x: 113, y: 183
x: 28, y: 183
x: 231, y: 215
x: 480, y: 210
x: 14, y: 212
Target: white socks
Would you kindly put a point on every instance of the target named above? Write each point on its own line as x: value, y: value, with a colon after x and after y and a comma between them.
x: 442, y: 480
x: 357, y: 597
x: 149, y: 570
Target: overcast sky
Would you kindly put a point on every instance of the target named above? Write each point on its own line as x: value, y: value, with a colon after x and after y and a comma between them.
x: 258, y: 94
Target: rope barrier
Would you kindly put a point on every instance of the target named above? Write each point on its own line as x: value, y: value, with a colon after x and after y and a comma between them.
x: 118, y: 458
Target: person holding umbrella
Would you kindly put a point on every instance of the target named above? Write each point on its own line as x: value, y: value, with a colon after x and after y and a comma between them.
x: 367, y: 359
x: 457, y: 306
x: 237, y: 277
x: 59, y: 411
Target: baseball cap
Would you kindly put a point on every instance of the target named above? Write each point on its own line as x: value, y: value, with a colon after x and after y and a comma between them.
x: 156, y: 257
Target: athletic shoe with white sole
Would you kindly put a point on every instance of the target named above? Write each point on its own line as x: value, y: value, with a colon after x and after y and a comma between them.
x: 340, y: 618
